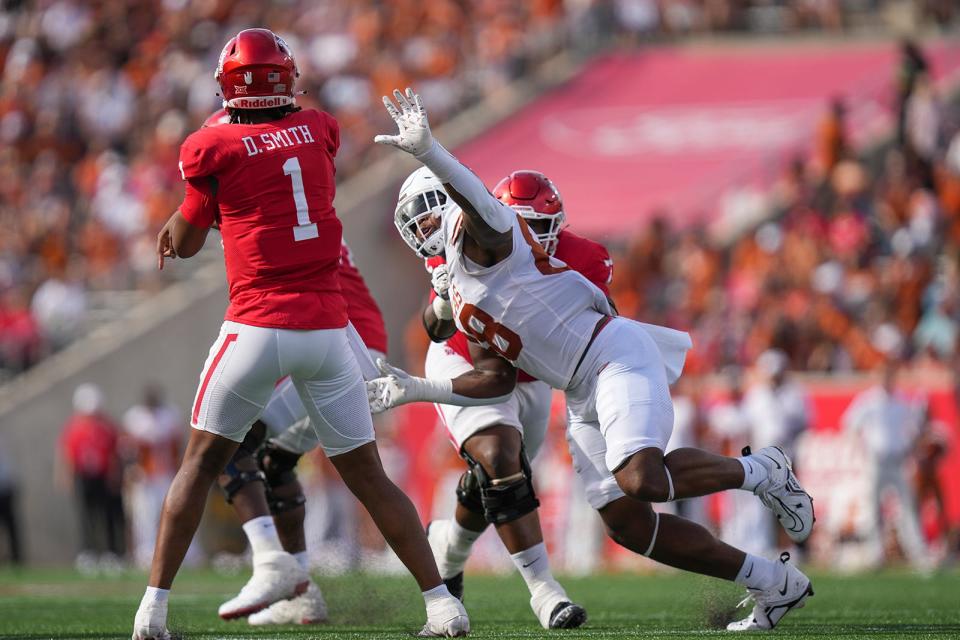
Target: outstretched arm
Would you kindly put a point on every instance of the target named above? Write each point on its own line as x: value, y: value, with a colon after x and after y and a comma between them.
x: 491, y: 381
x: 487, y: 220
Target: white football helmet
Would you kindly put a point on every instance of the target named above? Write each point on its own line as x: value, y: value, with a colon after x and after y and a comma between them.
x: 419, y: 213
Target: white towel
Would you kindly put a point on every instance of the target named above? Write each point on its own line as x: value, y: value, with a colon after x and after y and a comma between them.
x: 673, y: 346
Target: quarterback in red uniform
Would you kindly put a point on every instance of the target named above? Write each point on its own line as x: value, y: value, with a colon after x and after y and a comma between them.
x: 260, y: 481
x: 500, y: 440
x: 271, y: 172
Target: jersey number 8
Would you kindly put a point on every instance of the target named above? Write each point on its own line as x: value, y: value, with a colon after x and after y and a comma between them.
x: 482, y: 328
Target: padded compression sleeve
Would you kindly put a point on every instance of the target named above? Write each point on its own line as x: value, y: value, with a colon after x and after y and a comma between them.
x: 445, y: 166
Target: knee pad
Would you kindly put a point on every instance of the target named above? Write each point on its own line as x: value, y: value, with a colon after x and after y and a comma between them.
x: 505, y: 499
x: 468, y: 492
x: 279, y: 468
x: 238, y: 477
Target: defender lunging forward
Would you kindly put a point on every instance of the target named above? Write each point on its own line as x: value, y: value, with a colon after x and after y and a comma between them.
x: 536, y: 314
x: 496, y: 441
x: 271, y: 171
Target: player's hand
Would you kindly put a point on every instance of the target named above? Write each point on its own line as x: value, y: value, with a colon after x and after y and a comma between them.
x: 392, y: 390
x: 440, y: 280
x: 165, y: 244
x: 413, y: 135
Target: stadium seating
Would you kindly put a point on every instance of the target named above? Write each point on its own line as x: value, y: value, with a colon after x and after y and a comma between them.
x: 97, y: 97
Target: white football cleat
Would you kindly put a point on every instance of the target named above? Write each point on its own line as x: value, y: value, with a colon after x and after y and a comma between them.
x: 446, y: 618
x: 782, y: 493
x: 770, y: 605
x: 309, y: 608
x: 553, y: 608
x: 150, y: 622
x: 276, y: 576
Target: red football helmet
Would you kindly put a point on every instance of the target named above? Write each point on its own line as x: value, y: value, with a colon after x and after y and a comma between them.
x: 256, y: 71
x: 217, y: 118
x: 535, y: 197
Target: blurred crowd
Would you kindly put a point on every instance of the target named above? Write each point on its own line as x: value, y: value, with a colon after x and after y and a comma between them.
x: 95, y: 98
x: 859, y: 261
x: 855, y: 269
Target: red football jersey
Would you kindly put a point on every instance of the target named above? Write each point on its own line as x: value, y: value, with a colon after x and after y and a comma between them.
x: 274, y: 183
x: 361, y: 307
x: 590, y: 259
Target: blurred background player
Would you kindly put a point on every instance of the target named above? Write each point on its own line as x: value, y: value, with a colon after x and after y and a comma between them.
x: 90, y: 467
x: 775, y: 405
x: 9, y: 509
x: 499, y: 441
x: 933, y: 445
x: 888, y: 425
x: 152, y: 442
x: 689, y: 430
x: 271, y: 171
x: 776, y: 412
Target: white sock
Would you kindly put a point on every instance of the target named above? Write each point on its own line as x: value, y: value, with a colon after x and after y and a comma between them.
x: 303, y: 559
x: 753, y: 473
x: 758, y: 573
x: 461, y: 540
x: 534, y: 565
x: 437, y: 593
x: 154, y: 594
x: 262, y: 534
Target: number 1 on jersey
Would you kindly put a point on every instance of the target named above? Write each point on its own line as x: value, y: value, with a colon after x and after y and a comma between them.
x: 305, y: 230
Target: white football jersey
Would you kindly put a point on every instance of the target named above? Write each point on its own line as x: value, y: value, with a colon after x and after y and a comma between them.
x: 532, y: 309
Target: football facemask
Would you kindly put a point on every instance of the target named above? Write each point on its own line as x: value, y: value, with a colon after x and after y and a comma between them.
x: 419, y: 218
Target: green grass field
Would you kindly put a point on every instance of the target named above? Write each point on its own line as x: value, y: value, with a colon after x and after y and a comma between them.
x: 60, y: 604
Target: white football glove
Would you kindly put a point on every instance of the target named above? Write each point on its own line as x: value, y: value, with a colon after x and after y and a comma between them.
x: 440, y: 280
x: 413, y: 135
x: 442, y: 308
x: 389, y: 391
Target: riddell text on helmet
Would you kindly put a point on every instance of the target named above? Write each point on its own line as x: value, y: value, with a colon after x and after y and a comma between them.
x: 262, y: 102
